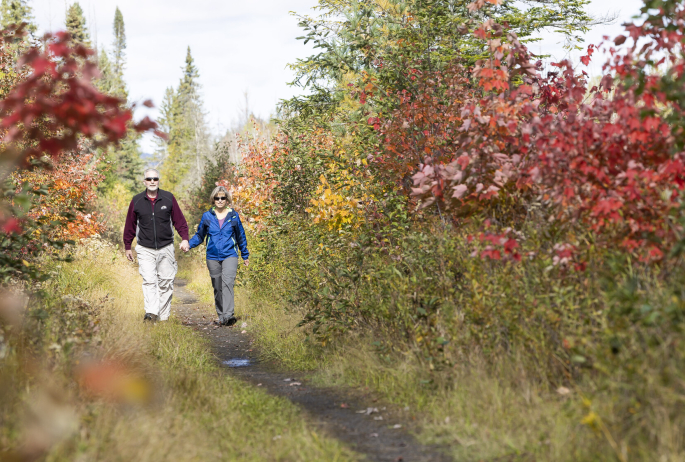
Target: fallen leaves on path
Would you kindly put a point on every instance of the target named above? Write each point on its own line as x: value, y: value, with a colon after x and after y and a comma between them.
x: 368, y: 411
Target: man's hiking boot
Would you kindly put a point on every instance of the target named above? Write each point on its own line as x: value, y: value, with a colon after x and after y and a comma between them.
x: 149, y: 317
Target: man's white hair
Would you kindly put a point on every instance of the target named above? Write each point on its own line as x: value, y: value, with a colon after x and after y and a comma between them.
x: 150, y: 170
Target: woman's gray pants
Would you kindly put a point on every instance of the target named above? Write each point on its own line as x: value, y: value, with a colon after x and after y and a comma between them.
x: 223, y: 274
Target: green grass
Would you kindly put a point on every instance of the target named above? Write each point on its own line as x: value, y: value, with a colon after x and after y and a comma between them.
x: 501, y: 404
x: 192, y: 410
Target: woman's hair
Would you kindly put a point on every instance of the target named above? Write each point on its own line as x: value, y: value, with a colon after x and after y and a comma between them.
x: 216, y: 191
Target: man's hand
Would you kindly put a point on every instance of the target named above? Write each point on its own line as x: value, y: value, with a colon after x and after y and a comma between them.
x: 184, y: 246
x: 247, y: 262
x: 129, y: 255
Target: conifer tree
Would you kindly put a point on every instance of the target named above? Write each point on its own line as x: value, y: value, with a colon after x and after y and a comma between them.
x: 17, y: 12
x: 188, y: 89
x: 125, y: 160
x: 76, y: 25
x: 118, y: 53
x: 188, y: 143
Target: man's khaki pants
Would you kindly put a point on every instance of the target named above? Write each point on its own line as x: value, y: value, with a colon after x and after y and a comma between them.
x: 158, y: 269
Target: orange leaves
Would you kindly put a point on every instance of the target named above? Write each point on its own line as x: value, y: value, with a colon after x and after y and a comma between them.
x: 71, y: 186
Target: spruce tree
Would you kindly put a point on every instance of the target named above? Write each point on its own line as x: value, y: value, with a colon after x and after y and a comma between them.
x: 17, y: 12
x: 76, y: 25
x: 188, y: 144
x: 118, y: 53
x: 125, y: 161
x: 188, y: 89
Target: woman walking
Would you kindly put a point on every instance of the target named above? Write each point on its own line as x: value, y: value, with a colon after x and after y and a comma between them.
x: 224, y: 232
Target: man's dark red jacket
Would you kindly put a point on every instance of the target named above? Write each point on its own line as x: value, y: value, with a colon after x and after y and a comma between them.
x: 151, y: 222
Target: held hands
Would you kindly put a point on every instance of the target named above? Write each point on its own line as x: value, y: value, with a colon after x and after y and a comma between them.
x: 184, y: 246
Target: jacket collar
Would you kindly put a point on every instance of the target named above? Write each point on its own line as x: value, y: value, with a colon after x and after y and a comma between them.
x: 213, y: 212
x: 159, y: 196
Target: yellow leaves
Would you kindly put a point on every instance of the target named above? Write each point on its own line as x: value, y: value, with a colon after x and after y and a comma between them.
x: 331, y: 207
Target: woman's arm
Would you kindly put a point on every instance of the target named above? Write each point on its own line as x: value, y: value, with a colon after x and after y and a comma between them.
x: 199, y: 235
x: 242, y: 239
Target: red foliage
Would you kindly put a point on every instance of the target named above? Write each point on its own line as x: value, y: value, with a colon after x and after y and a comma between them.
x: 497, y: 245
x: 609, y: 157
x: 53, y: 109
x: 57, y: 104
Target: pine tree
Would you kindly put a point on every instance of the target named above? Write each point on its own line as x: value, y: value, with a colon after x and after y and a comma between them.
x: 125, y: 161
x: 188, y: 144
x: 118, y: 53
x: 17, y: 12
x: 165, y: 122
x: 76, y: 25
x: 106, y: 81
x: 189, y: 87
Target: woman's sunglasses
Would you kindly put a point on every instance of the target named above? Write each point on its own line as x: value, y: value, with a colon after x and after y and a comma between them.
x: 220, y: 198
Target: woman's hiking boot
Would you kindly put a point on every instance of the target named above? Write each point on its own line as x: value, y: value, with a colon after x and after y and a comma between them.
x: 230, y: 321
x: 149, y: 317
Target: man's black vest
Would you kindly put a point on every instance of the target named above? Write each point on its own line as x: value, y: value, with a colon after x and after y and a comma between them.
x: 154, y: 228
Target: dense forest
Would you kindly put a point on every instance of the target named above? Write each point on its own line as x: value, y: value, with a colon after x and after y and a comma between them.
x: 484, y: 236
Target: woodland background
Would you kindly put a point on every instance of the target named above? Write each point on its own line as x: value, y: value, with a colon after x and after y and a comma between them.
x: 443, y: 216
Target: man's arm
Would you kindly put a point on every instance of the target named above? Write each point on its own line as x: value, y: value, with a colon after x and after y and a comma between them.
x: 180, y: 223
x: 130, y: 230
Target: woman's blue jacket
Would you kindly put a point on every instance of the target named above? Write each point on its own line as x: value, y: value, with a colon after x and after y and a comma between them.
x: 223, y: 242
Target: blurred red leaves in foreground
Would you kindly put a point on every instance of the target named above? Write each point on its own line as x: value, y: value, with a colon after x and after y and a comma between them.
x: 114, y: 381
x: 57, y: 105
x: 54, y: 109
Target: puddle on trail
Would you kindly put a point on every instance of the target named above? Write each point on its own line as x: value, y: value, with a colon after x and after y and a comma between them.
x: 237, y: 362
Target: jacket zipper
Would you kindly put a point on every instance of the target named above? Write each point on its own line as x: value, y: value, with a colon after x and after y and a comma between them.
x: 154, y: 225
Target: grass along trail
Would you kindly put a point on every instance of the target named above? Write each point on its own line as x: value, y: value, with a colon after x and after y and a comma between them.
x: 162, y: 396
x: 377, y: 431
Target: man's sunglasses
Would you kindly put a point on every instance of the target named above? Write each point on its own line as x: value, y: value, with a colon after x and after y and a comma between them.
x: 220, y: 198
x: 152, y: 179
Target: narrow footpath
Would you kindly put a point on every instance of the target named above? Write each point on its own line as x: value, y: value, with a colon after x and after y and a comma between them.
x: 369, y: 428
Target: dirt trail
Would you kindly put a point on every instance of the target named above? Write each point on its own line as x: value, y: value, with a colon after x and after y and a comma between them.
x: 378, y: 433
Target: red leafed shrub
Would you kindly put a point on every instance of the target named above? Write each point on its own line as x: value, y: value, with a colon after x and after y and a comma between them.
x: 47, y: 113
x: 57, y: 105
x: 467, y: 144
x: 498, y: 246
x: 609, y: 157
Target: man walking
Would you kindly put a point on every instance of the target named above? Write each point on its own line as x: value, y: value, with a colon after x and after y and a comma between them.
x: 150, y: 218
